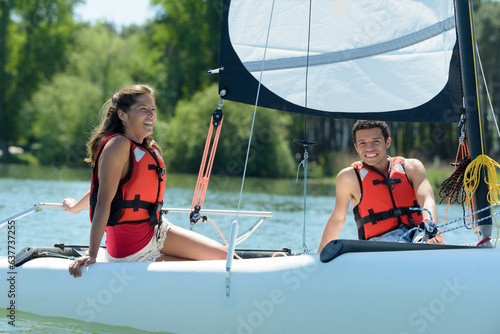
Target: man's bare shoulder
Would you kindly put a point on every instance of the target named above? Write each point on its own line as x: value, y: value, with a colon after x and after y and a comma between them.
x: 347, y: 174
x: 347, y: 187
x: 347, y: 181
x: 414, y: 165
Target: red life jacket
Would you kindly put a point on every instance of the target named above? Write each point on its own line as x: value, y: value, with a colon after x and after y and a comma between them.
x: 385, y: 201
x: 139, y: 195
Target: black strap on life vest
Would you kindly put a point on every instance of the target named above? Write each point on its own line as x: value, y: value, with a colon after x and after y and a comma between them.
x: 159, y: 170
x: 374, y: 218
x: 156, y: 207
x: 137, y: 203
x: 388, y: 182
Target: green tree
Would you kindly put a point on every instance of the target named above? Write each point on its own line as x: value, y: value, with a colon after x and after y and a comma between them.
x: 185, y: 41
x: 62, y: 113
x: 185, y: 136
x: 111, y: 61
x: 35, y: 36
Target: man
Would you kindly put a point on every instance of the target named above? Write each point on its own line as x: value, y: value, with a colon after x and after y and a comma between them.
x: 382, y: 190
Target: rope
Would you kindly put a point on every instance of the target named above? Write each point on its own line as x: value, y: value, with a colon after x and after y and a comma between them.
x: 472, y: 175
x: 453, y: 187
x: 222, y: 236
x: 498, y: 230
x: 215, y: 225
x: 461, y: 218
x: 494, y: 119
x: 255, y: 111
x: 470, y: 223
x: 235, y: 224
x: 470, y: 215
x: 304, y: 246
x: 471, y: 180
x: 206, y: 168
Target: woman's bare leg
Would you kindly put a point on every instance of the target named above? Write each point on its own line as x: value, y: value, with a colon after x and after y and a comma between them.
x: 164, y: 258
x: 182, y: 243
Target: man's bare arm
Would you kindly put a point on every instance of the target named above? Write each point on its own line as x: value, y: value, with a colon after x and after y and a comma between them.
x: 423, y: 189
x: 346, y: 184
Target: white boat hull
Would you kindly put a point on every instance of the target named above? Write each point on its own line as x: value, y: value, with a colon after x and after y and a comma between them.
x: 431, y: 291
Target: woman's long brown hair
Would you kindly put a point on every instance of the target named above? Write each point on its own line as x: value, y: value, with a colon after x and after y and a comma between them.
x: 110, y: 123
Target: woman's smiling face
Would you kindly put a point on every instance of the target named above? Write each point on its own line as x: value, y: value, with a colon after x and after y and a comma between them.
x: 139, y: 120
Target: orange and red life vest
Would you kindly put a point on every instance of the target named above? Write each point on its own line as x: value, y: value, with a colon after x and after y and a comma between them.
x: 139, y: 195
x: 385, y: 201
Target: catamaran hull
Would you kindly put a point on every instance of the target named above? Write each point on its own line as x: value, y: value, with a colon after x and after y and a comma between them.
x: 443, y: 291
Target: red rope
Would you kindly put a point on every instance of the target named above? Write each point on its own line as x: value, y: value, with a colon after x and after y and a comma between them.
x: 206, y: 169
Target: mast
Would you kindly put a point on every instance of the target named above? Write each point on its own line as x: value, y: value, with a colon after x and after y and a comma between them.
x: 475, y: 139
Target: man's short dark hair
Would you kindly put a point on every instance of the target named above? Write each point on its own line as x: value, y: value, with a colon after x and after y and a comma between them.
x: 363, y: 125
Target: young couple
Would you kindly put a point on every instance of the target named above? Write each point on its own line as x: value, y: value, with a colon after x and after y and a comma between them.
x: 129, y: 177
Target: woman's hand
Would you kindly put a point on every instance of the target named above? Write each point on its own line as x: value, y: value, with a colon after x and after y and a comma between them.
x: 69, y: 205
x: 74, y: 268
x: 74, y: 206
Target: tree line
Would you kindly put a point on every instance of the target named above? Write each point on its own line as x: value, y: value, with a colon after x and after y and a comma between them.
x: 55, y: 74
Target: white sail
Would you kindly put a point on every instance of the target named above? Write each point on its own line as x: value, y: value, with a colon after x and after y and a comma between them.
x: 374, y: 56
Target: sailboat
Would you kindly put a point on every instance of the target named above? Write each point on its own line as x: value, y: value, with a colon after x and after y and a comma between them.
x: 386, y: 60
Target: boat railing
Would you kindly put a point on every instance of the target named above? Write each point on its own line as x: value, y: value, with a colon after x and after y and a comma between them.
x: 261, y: 215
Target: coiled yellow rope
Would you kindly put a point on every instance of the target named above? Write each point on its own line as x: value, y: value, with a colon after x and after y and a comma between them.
x: 471, y: 181
x: 473, y: 172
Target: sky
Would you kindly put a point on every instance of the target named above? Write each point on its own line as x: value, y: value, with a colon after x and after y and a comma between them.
x: 119, y: 12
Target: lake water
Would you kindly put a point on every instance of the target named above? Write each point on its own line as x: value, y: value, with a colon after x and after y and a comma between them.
x: 22, y: 187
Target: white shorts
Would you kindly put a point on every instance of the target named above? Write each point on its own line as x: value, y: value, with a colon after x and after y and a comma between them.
x: 151, y: 251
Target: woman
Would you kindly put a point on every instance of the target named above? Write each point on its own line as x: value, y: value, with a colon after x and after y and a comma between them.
x: 127, y: 190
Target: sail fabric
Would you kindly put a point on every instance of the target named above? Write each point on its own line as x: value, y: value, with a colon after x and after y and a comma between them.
x: 392, y: 60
